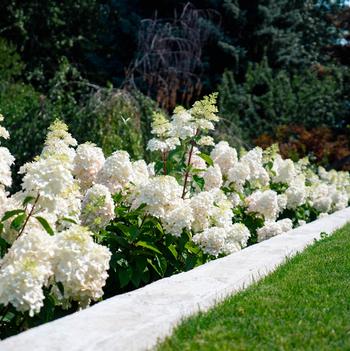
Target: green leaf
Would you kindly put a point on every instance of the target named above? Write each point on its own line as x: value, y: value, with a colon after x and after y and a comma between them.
x: 134, y: 232
x: 190, y: 262
x: 114, y: 262
x: 48, y: 311
x: 70, y: 220
x: 148, y: 246
x: 159, y: 227
x: 141, y: 263
x: 45, y: 225
x: 199, y: 181
x: 162, y: 264
x: 123, y: 228
x: 145, y: 276
x: 192, y: 248
x: 119, y: 240
x: 10, y: 214
x: 27, y: 200
x: 172, y: 249
x: 136, y: 278
x: 60, y: 288
x: 158, y: 167
x: 4, y: 245
x: 117, y: 197
x: 124, y: 276
x: 154, y: 267
x: 206, y: 158
x: 18, y: 221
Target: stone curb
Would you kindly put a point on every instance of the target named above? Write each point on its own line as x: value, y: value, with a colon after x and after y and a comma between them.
x: 137, y: 320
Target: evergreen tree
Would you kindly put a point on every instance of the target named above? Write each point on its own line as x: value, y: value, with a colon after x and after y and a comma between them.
x: 100, y: 37
x: 290, y: 33
x: 268, y: 98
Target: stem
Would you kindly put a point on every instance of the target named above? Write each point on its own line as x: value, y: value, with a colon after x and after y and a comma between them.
x: 29, y: 215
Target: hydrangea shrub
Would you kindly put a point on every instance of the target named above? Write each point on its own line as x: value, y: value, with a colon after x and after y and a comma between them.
x: 85, y: 227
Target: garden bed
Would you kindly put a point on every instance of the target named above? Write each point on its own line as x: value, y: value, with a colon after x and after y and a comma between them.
x: 137, y: 320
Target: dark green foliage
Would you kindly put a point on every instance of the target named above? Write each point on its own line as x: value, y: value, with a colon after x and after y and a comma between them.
x: 252, y: 221
x: 302, y: 306
x: 143, y: 252
x: 10, y: 62
x: 45, y: 31
x: 304, y: 212
x: 100, y: 36
x: 267, y: 98
x: 110, y: 118
x: 26, y: 120
x: 290, y: 33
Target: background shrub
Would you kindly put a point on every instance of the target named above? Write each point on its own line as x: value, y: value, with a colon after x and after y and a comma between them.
x: 327, y: 147
x: 267, y: 98
x: 111, y: 118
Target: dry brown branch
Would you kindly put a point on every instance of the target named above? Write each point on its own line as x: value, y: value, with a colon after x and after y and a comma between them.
x: 168, y: 63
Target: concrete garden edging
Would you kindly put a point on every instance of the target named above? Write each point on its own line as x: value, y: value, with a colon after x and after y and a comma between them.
x: 137, y: 320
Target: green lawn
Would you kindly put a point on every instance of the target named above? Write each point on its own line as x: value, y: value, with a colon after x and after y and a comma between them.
x: 303, y: 305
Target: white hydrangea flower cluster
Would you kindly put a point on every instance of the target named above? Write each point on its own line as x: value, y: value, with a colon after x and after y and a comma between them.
x: 25, y: 270
x: 216, y: 233
x: 326, y: 198
x: 6, y: 160
x: 211, y: 208
x: 49, y: 178
x: 339, y: 187
x: 253, y: 160
x: 319, y: 197
x: 296, y: 192
x: 212, y: 177
x: 217, y: 240
x: 119, y: 174
x: 211, y: 240
x: 237, y: 176
x: 272, y: 228
x: 88, y: 161
x: 184, y: 124
x: 264, y: 203
x: 161, y: 128
x: 284, y: 170
x: 36, y: 259
x: 158, y: 194
x: 162, y: 196
x: 59, y: 144
x: 97, y: 207
x: 225, y: 156
x: 179, y: 216
x: 80, y: 265
x: 340, y: 179
x: 237, y: 172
